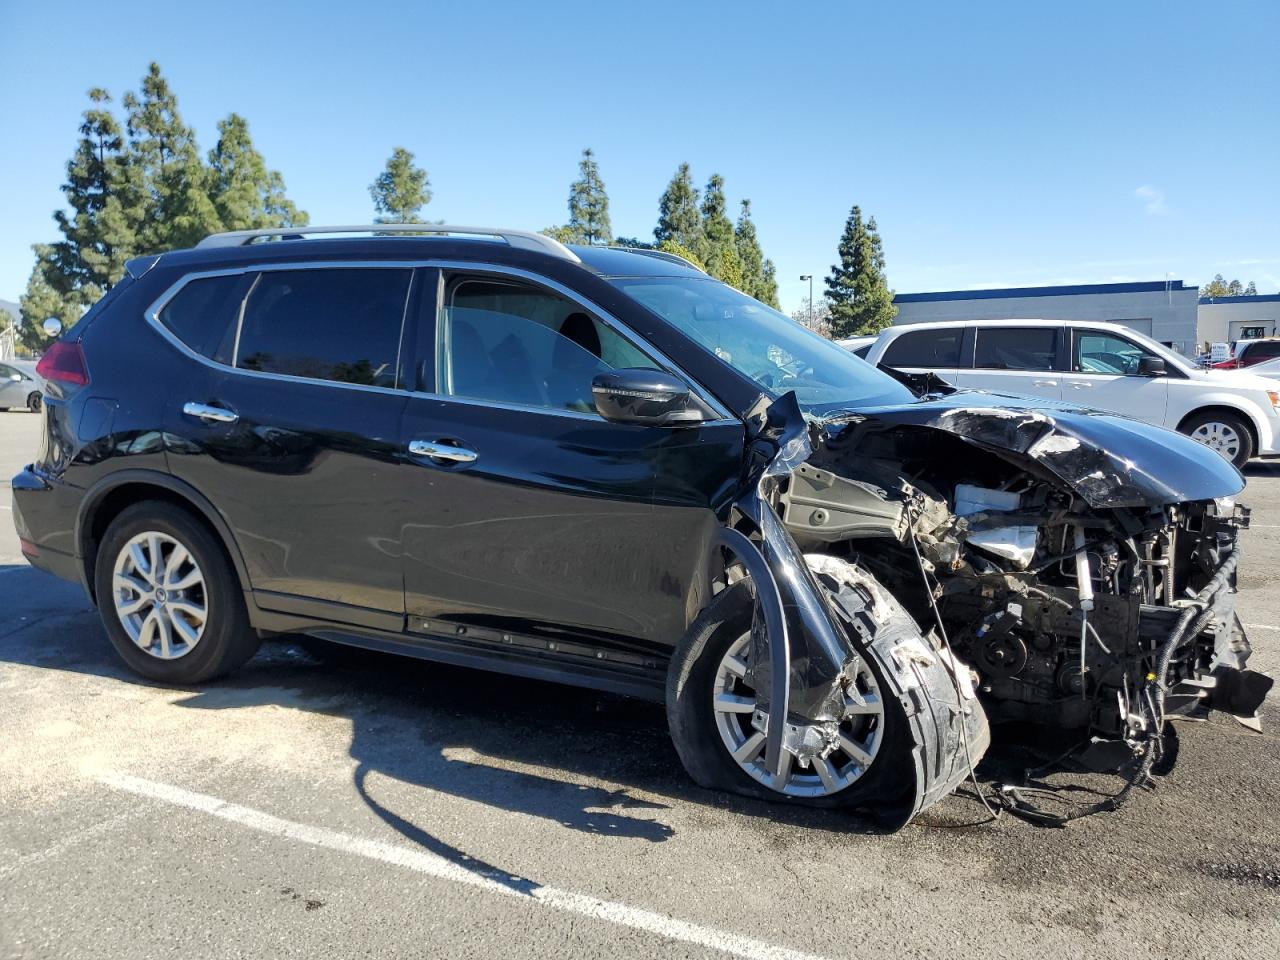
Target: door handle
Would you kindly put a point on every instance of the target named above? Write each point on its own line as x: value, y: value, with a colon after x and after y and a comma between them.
x: 209, y: 413
x: 1045, y: 383
x: 440, y: 450
x: 1081, y: 385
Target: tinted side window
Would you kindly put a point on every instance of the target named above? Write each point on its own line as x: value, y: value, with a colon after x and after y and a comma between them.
x: 336, y: 323
x: 925, y: 348
x: 204, y: 312
x: 516, y: 343
x: 1015, y: 348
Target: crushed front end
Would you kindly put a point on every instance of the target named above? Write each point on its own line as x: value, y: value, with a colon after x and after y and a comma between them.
x: 1083, y: 565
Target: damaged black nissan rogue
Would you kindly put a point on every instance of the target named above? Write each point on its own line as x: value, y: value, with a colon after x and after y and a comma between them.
x: 600, y: 466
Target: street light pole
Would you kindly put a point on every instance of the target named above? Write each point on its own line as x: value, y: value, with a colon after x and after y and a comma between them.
x: 809, y: 277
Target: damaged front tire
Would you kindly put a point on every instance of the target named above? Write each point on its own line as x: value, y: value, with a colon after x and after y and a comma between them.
x: 719, y: 732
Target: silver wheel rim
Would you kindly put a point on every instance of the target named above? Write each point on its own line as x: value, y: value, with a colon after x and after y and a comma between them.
x: 159, y: 595
x: 1218, y: 436
x: 742, y: 730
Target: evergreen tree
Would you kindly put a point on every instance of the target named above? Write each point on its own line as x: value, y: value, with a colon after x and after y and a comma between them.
x: 721, y: 259
x: 678, y: 218
x: 589, y: 204
x: 1218, y: 287
x: 149, y: 192
x: 167, y: 168
x: 98, y: 234
x: 759, y: 278
x: 861, y: 301
x: 634, y: 242
x: 401, y: 190
x: 770, y: 286
x: 671, y: 246
x: 246, y: 195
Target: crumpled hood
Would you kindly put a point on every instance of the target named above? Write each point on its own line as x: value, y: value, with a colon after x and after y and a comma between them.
x: 1109, y: 460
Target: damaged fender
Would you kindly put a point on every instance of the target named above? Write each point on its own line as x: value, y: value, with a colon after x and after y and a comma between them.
x: 802, y: 653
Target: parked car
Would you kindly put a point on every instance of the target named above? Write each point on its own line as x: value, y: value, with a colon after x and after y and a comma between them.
x: 1267, y: 368
x: 1101, y: 365
x: 20, y: 386
x: 603, y: 467
x: 858, y: 346
x: 1247, y: 353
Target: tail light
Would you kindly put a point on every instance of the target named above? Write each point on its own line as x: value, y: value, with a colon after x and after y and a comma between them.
x: 63, y: 362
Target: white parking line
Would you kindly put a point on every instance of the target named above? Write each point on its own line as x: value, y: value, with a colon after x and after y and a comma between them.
x: 436, y: 866
x: 1259, y: 626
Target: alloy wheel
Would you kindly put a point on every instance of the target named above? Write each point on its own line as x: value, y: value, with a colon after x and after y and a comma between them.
x: 158, y: 592
x: 742, y: 727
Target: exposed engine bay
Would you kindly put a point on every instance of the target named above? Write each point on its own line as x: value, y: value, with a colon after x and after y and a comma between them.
x: 1078, y: 583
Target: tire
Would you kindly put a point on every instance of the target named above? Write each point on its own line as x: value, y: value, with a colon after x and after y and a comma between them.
x: 691, y: 682
x: 1222, y: 431
x: 223, y: 639
x: 35, y: 401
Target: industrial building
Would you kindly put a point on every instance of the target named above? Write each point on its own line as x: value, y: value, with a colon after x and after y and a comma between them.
x: 1228, y: 319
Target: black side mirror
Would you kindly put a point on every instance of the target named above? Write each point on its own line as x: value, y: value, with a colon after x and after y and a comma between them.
x: 1151, y: 367
x: 650, y: 397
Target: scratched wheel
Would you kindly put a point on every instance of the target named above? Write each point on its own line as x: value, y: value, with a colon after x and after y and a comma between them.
x: 168, y: 596
x: 720, y: 729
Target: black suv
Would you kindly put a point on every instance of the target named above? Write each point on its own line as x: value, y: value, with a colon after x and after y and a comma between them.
x: 602, y: 467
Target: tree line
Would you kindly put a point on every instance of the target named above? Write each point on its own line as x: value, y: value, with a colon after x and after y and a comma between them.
x: 138, y: 182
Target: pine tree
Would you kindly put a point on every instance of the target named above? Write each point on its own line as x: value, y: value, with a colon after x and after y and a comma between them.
x: 401, y: 190
x: 861, y: 301
x: 98, y: 234
x: 721, y: 259
x: 769, y: 286
x: 671, y: 246
x: 168, y: 169
x: 1218, y: 287
x: 589, y: 204
x: 1251, y: 290
x: 246, y: 195
x: 678, y: 218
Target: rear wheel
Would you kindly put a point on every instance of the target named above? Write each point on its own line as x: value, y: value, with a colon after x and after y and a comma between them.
x: 719, y: 730
x: 169, y: 598
x: 1222, y: 431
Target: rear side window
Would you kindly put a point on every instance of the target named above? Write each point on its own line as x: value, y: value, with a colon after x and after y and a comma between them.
x: 340, y: 324
x: 925, y: 348
x: 203, y: 314
x: 1015, y: 348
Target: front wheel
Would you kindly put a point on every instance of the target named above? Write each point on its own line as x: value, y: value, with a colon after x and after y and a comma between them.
x: 1224, y: 432
x: 169, y: 597
x: 34, y: 402
x: 719, y: 731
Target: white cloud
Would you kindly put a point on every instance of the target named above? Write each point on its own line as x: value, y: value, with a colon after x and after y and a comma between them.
x: 1153, y: 203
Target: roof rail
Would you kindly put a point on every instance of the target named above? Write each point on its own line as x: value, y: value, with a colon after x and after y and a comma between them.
x: 521, y: 239
x: 660, y: 255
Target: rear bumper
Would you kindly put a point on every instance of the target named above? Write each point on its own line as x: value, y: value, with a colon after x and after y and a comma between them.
x: 44, y: 514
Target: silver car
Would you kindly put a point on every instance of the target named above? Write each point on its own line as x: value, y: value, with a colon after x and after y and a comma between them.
x: 20, y: 386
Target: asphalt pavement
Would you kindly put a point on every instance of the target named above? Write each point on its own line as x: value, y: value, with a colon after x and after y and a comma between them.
x: 320, y: 805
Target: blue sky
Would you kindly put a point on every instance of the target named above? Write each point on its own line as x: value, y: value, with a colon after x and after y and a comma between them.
x: 996, y: 144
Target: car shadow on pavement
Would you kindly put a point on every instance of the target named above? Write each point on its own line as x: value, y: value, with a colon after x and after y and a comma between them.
x: 523, y: 746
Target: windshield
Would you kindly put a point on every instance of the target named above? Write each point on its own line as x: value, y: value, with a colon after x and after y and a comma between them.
x: 770, y: 348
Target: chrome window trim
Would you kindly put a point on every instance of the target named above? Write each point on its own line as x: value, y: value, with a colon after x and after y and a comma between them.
x: 152, y: 314
x: 705, y: 396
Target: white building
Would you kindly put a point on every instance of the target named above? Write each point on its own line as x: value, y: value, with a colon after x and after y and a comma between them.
x: 1228, y: 319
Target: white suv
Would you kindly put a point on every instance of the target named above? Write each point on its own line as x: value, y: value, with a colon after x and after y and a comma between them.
x: 1101, y: 365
